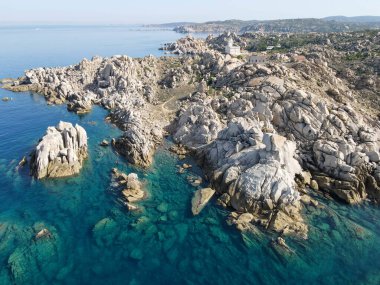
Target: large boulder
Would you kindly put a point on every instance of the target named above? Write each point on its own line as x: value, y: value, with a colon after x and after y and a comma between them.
x: 262, y: 182
x: 198, y: 125
x: 60, y: 152
x: 200, y: 199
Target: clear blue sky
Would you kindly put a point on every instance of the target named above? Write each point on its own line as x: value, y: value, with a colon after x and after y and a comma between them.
x: 162, y: 11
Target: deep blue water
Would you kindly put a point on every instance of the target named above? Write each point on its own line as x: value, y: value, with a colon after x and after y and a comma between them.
x: 96, y: 241
x: 27, y: 47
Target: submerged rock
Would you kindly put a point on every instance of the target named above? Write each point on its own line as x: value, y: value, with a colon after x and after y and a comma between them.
x: 200, y: 199
x: 136, y: 254
x: 22, y: 163
x: 131, y: 207
x: 104, y: 231
x: 104, y: 143
x: 60, y: 152
x: 163, y: 207
x: 44, y: 249
x: 43, y: 233
x: 103, y: 224
x: 281, y: 247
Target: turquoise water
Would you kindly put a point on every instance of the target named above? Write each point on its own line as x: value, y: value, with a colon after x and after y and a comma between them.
x: 96, y: 241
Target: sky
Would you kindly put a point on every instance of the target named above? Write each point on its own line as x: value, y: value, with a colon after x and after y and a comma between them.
x: 164, y: 11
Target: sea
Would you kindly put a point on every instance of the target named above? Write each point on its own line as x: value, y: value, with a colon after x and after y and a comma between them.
x: 95, y: 240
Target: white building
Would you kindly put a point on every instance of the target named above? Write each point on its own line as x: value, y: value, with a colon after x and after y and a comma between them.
x: 273, y: 47
x: 231, y: 49
x: 258, y: 59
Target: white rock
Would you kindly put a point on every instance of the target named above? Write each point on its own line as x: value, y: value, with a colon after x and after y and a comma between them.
x: 60, y: 152
x: 200, y: 199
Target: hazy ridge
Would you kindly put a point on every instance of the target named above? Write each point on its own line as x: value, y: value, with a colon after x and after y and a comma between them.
x: 328, y: 24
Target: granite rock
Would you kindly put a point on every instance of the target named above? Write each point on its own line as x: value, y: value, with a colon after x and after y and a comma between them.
x: 61, y: 152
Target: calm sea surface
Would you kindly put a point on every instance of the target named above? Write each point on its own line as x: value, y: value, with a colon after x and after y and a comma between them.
x: 96, y: 241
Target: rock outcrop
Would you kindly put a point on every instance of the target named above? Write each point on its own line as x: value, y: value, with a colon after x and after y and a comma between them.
x: 139, y: 139
x: 254, y: 171
x: 200, y: 199
x: 129, y: 187
x: 187, y: 45
x: 60, y: 152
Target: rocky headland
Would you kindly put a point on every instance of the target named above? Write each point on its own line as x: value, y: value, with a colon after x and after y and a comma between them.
x: 268, y: 135
x: 60, y: 153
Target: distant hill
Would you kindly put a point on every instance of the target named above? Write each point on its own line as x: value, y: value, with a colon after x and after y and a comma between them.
x: 359, y: 19
x: 302, y: 26
x: 307, y: 25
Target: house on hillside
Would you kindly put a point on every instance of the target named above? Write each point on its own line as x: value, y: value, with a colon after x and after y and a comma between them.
x: 231, y: 49
x: 262, y: 58
x: 269, y: 48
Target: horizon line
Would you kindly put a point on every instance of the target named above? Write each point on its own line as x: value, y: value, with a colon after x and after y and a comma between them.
x: 90, y: 23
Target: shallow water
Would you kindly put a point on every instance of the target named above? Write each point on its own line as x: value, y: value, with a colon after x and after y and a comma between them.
x: 96, y: 241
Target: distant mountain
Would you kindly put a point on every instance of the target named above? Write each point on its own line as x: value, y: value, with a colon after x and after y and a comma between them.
x: 358, y: 19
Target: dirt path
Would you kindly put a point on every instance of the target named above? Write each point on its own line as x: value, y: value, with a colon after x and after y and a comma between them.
x: 168, y: 99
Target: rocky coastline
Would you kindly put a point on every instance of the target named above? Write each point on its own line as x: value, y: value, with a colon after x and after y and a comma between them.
x: 267, y: 135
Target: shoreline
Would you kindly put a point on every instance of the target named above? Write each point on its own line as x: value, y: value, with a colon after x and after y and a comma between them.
x: 201, y: 122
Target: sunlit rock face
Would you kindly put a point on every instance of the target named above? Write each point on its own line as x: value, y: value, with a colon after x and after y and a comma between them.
x: 61, y: 152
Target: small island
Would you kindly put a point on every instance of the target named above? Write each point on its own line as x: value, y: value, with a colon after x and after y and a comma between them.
x: 61, y: 152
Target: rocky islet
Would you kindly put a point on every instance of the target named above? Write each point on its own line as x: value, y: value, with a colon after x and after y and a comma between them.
x: 129, y: 187
x: 60, y: 153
